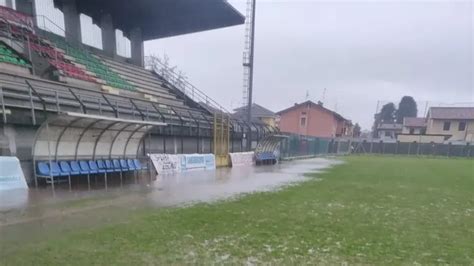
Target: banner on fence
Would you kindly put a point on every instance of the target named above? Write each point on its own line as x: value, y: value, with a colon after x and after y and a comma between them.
x: 210, y: 161
x: 175, y: 163
x: 242, y: 158
x: 11, y: 174
x: 166, y: 163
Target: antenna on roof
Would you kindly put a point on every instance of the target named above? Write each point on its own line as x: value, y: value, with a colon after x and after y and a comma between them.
x: 307, y: 95
x: 324, y: 96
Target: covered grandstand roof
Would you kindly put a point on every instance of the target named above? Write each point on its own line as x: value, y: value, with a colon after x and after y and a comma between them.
x: 163, y: 18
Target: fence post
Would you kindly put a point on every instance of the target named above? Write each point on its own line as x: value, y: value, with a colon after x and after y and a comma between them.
x: 3, y: 106
x: 382, y: 149
x: 449, y: 149
x: 32, y: 105
x: 433, y: 148
x: 409, y: 147
x: 396, y: 147
x: 56, y: 96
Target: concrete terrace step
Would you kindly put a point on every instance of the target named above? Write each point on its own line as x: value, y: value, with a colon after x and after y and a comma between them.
x: 141, y: 81
x: 136, y: 70
x: 129, y: 66
x: 148, y: 82
x: 17, y: 80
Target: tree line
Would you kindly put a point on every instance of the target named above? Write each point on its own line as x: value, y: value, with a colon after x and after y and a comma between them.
x: 390, y: 114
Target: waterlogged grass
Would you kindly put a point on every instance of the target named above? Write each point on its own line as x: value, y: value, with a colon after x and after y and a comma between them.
x: 375, y: 210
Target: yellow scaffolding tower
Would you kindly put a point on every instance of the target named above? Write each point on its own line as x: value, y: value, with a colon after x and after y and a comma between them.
x: 221, y: 138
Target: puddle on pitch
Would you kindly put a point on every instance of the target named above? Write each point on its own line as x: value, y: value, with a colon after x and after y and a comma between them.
x: 30, y: 215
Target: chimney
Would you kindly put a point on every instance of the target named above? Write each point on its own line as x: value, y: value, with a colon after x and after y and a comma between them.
x: 320, y: 103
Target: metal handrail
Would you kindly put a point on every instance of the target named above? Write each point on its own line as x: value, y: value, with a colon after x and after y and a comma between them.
x: 120, y: 101
x: 183, y: 85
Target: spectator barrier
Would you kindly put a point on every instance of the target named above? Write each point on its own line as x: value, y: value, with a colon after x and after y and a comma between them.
x: 242, y: 158
x: 176, y: 163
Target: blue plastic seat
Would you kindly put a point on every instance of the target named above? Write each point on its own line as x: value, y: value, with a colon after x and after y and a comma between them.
x: 65, y: 167
x: 138, y: 165
x: 85, y: 167
x: 117, y: 166
x: 102, y: 166
x: 44, y: 170
x: 110, y: 165
x: 75, y: 167
x: 123, y: 165
x: 93, y: 166
x: 56, y: 169
x: 131, y: 165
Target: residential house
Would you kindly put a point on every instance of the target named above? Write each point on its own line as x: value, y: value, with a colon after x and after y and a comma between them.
x: 388, y: 131
x: 442, y: 124
x: 414, y: 125
x: 259, y: 114
x: 313, y: 119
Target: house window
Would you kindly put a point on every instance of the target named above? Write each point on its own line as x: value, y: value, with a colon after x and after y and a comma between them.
x: 423, y: 131
x: 303, y: 121
x: 388, y: 134
x: 446, y: 126
x: 412, y: 131
x: 462, y: 126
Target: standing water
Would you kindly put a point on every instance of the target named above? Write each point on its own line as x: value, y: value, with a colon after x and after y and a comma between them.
x: 34, y: 214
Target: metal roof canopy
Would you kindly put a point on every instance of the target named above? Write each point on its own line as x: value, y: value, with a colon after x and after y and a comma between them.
x: 162, y: 18
x: 75, y: 136
x: 269, y: 143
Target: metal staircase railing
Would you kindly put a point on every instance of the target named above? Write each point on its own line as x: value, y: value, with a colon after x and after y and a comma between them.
x: 180, y: 83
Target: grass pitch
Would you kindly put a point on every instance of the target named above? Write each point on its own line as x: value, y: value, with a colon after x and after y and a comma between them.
x: 370, y: 210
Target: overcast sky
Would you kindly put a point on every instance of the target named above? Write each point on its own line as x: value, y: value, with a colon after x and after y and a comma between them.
x: 361, y: 51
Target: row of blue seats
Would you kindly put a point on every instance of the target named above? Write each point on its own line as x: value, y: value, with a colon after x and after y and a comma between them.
x: 70, y: 168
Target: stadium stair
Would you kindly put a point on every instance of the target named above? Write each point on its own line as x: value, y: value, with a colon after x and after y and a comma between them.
x: 143, y: 79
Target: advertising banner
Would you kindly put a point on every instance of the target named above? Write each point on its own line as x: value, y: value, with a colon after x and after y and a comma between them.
x: 175, y: 163
x: 166, y: 163
x: 242, y: 158
x: 11, y: 174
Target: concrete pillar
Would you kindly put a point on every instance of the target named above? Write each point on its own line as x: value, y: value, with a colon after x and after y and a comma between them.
x: 175, y: 145
x: 9, y: 3
x: 10, y: 135
x: 137, y: 47
x: 109, y: 42
x: 72, y: 21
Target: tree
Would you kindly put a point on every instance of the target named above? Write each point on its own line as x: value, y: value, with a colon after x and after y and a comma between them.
x: 387, y: 114
x: 406, y: 108
x: 356, y: 131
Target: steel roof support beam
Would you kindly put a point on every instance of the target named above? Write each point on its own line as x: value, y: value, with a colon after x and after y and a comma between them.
x: 82, y: 135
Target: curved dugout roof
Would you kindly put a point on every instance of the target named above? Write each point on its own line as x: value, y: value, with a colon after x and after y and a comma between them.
x: 162, y: 18
x: 75, y: 136
x: 269, y: 143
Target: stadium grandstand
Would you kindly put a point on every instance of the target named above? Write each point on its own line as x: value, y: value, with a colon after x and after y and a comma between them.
x: 69, y: 108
